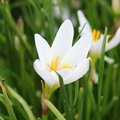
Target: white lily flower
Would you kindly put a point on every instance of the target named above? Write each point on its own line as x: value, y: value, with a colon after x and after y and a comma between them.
x: 69, y: 61
x: 97, y: 37
x: 97, y: 40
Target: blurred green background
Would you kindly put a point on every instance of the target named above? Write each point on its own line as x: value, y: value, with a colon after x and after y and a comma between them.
x: 20, y: 20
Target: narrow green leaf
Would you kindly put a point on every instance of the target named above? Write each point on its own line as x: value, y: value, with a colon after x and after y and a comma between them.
x: 110, y: 105
x: 79, y: 34
x: 101, y: 72
x: 64, y: 97
x: 1, y: 118
x: 22, y: 102
x: 54, y: 110
x: 80, y: 103
x: 8, y: 103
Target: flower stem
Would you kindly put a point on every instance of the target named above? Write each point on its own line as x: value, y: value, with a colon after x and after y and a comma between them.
x: 54, y: 110
x: 65, y: 100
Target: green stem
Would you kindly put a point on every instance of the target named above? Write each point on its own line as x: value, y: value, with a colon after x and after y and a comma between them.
x: 22, y: 102
x: 54, y: 110
x: 76, y: 92
x: 8, y: 103
x: 65, y: 100
x: 80, y: 103
x: 110, y: 105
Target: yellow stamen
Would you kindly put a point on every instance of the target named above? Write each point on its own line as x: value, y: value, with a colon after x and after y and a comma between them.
x: 109, y: 36
x: 95, y: 35
x: 66, y: 66
x: 54, y: 65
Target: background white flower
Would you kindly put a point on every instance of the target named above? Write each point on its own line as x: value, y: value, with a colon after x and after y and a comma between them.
x: 69, y: 61
x: 97, y: 37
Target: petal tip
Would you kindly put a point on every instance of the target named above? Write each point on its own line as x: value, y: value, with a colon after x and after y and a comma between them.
x: 79, y: 12
x: 68, y: 22
x: 35, y: 63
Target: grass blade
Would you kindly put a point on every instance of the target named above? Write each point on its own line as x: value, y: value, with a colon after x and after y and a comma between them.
x: 65, y: 100
x: 22, y: 102
x: 8, y: 103
x: 54, y: 110
x: 101, y: 72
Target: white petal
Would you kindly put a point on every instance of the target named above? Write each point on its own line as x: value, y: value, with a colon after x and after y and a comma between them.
x: 78, y: 52
x: 43, y: 49
x: 49, y: 77
x: 97, y: 45
x: 78, y: 72
x: 83, y: 21
x: 114, y: 41
x: 65, y: 73
x: 109, y: 60
x: 94, y: 75
x: 63, y: 40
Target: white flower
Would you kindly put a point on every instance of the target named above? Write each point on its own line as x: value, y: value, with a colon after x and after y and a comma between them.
x: 97, y: 37
x: 69, y: 61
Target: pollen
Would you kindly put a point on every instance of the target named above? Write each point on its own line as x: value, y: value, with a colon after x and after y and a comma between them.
x: 95, y: 35
x: 55, y: 65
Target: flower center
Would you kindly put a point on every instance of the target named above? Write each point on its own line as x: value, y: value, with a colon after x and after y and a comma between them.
x: 95, y: 35
x: 55, y: 65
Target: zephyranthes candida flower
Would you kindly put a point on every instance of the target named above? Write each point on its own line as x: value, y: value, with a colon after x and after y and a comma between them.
x: 97, y: 40
x: 97, y: 37
x: 69, y: 61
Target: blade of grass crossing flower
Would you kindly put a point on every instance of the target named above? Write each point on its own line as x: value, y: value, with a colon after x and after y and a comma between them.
x: 101, y: 71
x: 79, y: 34
x: 23, y: 103
x: 65, y: 100
x: 54, y: 110
x: 8, y: 103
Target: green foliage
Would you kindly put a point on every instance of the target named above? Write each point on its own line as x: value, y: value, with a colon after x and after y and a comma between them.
x: 19, y: 21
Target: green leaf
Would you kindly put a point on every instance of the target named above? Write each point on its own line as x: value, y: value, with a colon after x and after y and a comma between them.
x: 22, y: 102
x: 64, y: 98
x: 54, y: 110
x: 8, y: 103
x: 101, y: 72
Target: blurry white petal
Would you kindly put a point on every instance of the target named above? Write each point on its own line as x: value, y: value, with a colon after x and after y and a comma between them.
x: 63, y: 40
x: 78, y: 72
x: 83, y: 21
x: 49, y: 77
x: 78, y: 52
x: 97, y: 45
x: 43, y: 48
x: 65, y: 73
x: 114, y: 41
x: 94, y: 75
x: 109, y: 60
